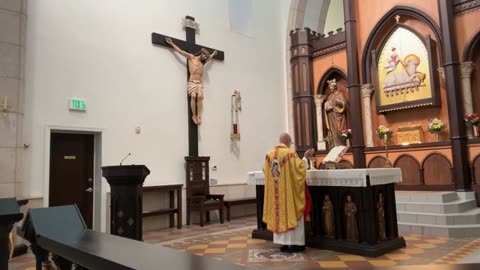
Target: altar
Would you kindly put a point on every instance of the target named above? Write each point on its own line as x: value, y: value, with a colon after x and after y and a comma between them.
x: 335, y: 194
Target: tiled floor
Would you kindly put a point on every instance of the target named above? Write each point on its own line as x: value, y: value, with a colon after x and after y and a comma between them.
x: 232, y: 242
x: 238, y: 247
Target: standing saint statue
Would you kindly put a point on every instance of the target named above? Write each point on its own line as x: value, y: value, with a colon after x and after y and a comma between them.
x: 381, y: 217
x: 328, y: 221
x: 334, y: 107
x: 196, y: 64
x: 351, y: 219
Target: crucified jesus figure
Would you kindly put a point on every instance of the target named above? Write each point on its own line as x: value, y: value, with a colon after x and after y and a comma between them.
x: 194, y: 85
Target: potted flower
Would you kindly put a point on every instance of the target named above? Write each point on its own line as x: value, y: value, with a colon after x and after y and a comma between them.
x: 385, y: 133
x: 474, y: 120
x: 436, y: 126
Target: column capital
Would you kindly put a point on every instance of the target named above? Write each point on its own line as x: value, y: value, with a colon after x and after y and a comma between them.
x: 367, y: 90
x: 319, y: 100
x: 467, y: 68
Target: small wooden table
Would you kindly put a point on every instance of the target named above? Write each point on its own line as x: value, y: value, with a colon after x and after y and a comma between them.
x: 171, y: 210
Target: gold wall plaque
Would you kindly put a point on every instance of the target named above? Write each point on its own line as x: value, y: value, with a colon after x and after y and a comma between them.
x: 69, y: 157
x: 410, y: 134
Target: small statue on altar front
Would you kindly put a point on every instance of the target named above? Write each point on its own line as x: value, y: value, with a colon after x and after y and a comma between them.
x: 351, y: 219
x: 381, y: 217
x: 328, y: 221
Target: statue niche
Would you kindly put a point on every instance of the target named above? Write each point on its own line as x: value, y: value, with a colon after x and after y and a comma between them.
x: 334, y: 109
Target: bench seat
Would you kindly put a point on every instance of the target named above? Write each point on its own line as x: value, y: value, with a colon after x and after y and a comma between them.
x: 239, y: 201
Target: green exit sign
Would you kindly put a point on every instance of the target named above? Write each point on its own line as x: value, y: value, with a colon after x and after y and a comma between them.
x: 76, y: 104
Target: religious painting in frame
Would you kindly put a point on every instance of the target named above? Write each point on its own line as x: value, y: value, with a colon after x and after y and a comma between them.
x: 405, y: 71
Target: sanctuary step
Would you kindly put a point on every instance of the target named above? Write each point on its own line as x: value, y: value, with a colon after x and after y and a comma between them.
x: 439, y: 214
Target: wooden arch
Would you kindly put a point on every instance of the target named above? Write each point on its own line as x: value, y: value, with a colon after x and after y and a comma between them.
x: 333, y: 72
x: 377, y: 162
x: 473, y: 44
x: 437, y: 170
x: 382, y: 25
x: 410, y: 167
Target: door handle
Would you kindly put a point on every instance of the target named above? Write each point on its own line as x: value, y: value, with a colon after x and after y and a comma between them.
x: 89, y: 189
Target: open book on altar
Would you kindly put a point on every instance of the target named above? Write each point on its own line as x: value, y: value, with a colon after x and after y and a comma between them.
x: 335, y: 155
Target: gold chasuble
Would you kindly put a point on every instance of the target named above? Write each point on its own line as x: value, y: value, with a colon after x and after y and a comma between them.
x: 284, y: 201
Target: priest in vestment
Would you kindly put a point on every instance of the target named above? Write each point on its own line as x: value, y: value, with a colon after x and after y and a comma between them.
x: 286, y: 201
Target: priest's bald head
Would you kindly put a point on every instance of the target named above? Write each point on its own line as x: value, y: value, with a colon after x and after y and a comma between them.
x: 285, y: 139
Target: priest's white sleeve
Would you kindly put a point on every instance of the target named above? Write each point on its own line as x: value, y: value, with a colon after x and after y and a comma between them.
x: 306, y: 162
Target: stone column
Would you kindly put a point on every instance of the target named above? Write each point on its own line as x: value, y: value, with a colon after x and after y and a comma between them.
x: 466, y: 71
x: 451, y: 67
x: 367, y: 90
x: 12, y: 54
x: 318, y: 108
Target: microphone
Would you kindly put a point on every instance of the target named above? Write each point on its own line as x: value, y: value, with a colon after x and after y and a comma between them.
x: 125, y: 158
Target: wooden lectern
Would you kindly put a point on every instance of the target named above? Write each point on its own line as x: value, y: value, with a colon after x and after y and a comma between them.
x: 9, y: 214
x: 126, y: 184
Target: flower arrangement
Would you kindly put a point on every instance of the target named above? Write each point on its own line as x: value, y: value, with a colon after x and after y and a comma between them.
x: 346, y: 134
x: 473, y: 119
x: 436, y: 125
x: 384, y: 132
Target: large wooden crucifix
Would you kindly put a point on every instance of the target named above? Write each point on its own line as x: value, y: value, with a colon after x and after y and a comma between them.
x: 190, y: 47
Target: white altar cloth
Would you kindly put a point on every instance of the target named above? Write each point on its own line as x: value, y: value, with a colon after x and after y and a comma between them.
x: 341, y: 178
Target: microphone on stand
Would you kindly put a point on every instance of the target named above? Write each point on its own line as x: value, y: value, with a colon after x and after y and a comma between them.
x: 125, y: 158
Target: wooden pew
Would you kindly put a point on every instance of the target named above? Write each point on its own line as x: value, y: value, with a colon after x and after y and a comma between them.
x: 9, y: 214
x: 61, y: 231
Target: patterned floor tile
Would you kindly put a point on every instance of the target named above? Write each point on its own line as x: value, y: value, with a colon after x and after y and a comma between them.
x: 332, y: 264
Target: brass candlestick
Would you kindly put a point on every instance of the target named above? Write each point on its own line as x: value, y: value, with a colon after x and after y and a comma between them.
x: 388, y: 164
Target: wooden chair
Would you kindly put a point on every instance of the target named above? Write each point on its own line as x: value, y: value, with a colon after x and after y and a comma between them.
x: 198, y: 190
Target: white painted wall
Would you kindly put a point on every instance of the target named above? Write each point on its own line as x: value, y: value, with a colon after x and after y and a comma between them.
x: 335, y: 18
x: 101, y: 51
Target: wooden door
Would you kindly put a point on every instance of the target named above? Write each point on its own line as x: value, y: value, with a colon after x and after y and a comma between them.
x: 71, y: 172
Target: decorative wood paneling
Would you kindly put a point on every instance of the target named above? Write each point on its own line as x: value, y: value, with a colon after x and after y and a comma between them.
x: 307, y: 124
x: 437, y: 170
x: 302, y: 97
x: 410, y: 170
x: 298, y: 132
x: 476, y: 170
x: 377, y: 162
x: 295, y: 78
x: 465, y: 6
x: 324, y: 45
x: 304, y: 77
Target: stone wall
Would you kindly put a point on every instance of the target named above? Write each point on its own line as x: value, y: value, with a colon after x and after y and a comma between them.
x: 12, y: 54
